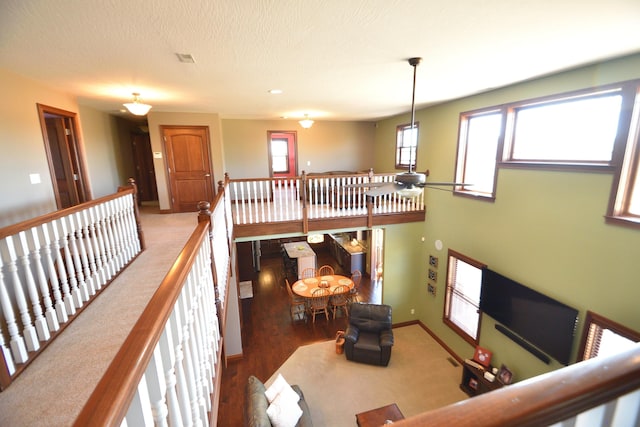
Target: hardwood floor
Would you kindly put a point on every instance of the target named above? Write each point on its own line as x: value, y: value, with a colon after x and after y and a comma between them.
x: 269, y: 336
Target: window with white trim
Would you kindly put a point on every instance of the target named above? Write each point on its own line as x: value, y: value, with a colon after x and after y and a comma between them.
x: 625, y: 198
x: 577, y: 129
x: 595, y: 129
x: 280, y: 155
x: 604, y: 337
x: 462, y: 297
x: 406, y: 145
x: 479, y: 139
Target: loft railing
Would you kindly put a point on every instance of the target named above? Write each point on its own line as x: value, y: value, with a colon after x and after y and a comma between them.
x: 599, y: 392
x: 54, y: 265
x: 320, y: 198
x: 168, y: 371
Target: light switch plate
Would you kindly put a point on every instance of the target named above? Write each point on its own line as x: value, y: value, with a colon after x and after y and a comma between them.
x: 34, y: 178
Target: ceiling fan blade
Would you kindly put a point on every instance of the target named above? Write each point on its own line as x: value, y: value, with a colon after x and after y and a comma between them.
x: 388, y: 188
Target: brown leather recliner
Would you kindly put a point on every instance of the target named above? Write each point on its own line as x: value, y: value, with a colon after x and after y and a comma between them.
x: 369, y: 337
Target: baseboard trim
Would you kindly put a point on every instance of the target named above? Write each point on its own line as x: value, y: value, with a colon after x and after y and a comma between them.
x: 442, y: 343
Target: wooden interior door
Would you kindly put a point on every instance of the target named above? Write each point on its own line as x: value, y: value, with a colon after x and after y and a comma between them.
x: 63, y: 148
x: 143, y: 163
x: 189, y: 164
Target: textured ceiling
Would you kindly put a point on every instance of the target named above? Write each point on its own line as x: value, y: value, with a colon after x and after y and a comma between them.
x: 333, y: 59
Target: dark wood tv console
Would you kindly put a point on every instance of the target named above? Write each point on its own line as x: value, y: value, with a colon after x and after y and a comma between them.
x: 474, y: 383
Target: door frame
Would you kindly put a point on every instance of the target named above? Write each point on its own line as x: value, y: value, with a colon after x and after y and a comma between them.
x: 75, y: 152
x: 292, y: 136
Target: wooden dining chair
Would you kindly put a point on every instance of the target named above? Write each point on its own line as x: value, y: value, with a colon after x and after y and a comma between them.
x: 340, y: 299
x: 326, y: 270
x: 319, y: 303
x: 309, y: 272
x: 297, y: 304
x: 356, y: 277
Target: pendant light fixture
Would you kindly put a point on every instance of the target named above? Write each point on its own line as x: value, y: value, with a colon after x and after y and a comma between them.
x: 136, y: 107
x: 306, y: 122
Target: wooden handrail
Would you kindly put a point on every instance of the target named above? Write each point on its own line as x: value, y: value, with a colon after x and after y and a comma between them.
x: 545, y: 399
x: 33, y: 222
x: 110, y: 400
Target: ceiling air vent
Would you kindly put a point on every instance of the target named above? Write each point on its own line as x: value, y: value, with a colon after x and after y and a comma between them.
x: 186, y: 58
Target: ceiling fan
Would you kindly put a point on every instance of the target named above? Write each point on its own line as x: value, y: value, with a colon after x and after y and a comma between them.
x: 407, y: 184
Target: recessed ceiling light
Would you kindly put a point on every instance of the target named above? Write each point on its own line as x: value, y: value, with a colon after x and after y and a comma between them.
x: 186, y: 58
x: 275, y: 91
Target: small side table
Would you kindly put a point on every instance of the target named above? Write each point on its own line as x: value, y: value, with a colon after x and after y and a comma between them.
x: 377, y: 417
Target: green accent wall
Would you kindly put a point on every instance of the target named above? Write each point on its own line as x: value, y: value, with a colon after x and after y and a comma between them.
x: 545, y: 229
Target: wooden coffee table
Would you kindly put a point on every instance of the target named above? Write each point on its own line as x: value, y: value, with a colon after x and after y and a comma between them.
x: 377, y: 417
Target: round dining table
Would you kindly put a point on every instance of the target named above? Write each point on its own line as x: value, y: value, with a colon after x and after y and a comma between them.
x: 305, y: 287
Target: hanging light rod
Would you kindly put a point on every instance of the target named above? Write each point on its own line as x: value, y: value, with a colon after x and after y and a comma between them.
x: 414, y: 62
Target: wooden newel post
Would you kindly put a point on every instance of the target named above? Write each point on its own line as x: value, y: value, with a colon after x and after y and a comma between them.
x: 136, y: 211
x: 204, y: 215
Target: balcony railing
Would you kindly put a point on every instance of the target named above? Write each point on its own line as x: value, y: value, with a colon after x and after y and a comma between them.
x: 52, y: 266
x: 168, y: 371
x: 316, y: 202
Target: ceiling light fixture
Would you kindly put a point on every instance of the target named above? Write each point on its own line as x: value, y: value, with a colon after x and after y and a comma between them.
x: 136, y: 107
x: 306, y: 122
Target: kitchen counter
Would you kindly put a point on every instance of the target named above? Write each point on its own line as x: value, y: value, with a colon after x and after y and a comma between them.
x: 350, y: 257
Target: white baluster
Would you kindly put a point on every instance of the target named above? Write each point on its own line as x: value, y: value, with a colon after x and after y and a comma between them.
x: 82, y: 243
x: 40, y: 322
x: 210, y: 310
x: 133, y: 225
x: 98, y: 247
x: 28, y: 331
x: 117, y: 231
x: 68, y: 239
x: 181, y: 374
x: 123, y: 228
x: 6, y: 353
x: 157, y: 389
x: 49, y: 312
x: 85, y: 225
x: 167, y: 351
x: 18, y: 347
x: 197, y: 337
x: 119, y: 249
x: 127, y: 231
x: 139, y: 413
x: 108, y: 239
x: 61, y: 312
x: 188, y: 349
x: 206, y: 369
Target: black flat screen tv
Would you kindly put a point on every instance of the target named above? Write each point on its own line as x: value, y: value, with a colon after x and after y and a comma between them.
x: 542, y: 321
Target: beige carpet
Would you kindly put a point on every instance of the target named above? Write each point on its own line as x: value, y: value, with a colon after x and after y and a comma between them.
x: 54, y: 388
x: 419, y: 378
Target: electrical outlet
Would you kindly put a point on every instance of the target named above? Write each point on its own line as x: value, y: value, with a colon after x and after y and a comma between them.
x: 413, y: 311
x: 433, y: 275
